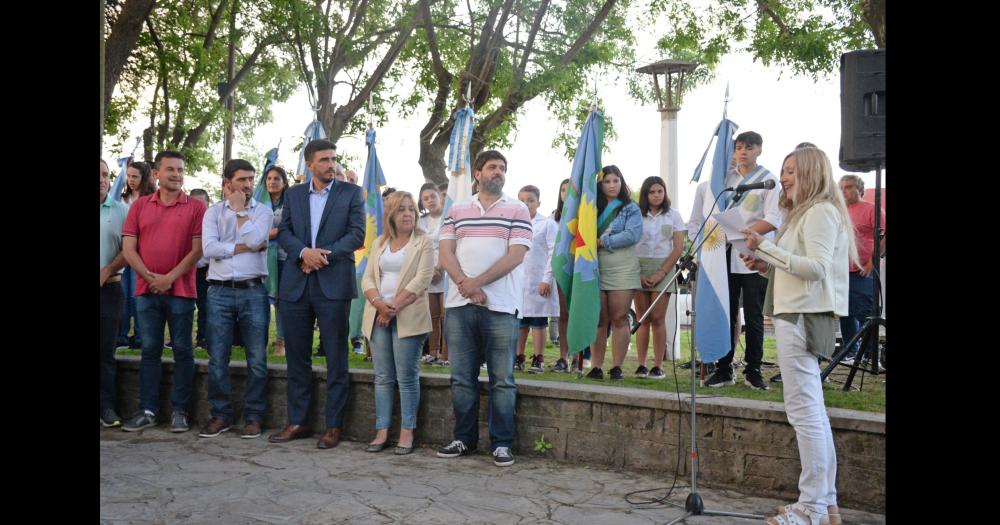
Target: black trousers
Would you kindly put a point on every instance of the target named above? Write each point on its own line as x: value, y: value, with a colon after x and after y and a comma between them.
x: 112, y: 298
x: 752, y: 287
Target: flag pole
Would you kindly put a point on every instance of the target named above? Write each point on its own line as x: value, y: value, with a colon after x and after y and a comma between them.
x: 725, y: 103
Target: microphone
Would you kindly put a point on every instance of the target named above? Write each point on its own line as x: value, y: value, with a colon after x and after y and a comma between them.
x: 743, y: 188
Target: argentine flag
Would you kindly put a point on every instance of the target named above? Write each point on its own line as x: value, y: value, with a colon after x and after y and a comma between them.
x: 712, y: 338
x: 459, y: 159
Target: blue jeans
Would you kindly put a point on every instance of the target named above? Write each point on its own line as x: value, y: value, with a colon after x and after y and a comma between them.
x: 475, y: 335
x: 155, y: 312
x: 859, y: 308
x: 129, y: 311
x: 397, y: 360
x: 248, y: 309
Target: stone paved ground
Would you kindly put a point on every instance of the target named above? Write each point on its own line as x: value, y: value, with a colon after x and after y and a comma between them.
x: 158, y: 477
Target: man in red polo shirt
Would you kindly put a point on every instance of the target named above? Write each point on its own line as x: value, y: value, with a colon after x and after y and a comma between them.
x: 861, y: 280
x: 162, y: 243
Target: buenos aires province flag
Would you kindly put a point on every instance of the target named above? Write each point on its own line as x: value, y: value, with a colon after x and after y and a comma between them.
x: 574, y: 256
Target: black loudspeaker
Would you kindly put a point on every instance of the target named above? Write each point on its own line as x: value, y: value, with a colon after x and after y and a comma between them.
x: 862, y: 110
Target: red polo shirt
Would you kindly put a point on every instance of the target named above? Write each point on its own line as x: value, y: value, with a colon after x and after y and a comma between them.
x: 863, y: 216
x: 163, y: 234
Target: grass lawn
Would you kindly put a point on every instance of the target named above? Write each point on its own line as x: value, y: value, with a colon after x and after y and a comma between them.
x: 871, y: 397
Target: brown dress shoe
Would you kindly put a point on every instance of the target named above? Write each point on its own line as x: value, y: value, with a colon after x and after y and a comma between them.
x: 289, y: 433
x: 251, y: 430
x: 330, y: 439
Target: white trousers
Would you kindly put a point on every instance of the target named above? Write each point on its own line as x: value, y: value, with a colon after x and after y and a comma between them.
x: 803, y: 392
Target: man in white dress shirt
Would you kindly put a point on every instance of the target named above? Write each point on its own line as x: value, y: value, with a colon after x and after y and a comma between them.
x: 234, y: 239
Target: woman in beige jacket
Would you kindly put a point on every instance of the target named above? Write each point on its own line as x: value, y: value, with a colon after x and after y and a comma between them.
x: 807, y: 264
x: 397, y: 317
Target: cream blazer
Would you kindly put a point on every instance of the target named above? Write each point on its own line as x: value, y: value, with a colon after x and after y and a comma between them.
x: 810, y: 261
x: 415, y: 276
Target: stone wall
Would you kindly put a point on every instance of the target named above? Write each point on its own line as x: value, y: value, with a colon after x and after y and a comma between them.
x: 744, y: 445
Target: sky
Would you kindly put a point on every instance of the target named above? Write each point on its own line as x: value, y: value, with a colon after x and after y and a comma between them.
x: 785, y: 109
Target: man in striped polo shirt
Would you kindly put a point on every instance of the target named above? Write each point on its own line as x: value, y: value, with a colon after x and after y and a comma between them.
x: 482, y: 241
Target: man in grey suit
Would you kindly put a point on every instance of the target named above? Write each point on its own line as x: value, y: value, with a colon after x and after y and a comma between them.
x: 323, y: 224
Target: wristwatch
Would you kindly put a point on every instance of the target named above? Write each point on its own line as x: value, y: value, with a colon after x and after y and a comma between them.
x: 242, y: 213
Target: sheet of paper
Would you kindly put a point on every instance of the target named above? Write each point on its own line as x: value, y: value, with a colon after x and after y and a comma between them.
x: 732, y: 222
x: 741, y: 245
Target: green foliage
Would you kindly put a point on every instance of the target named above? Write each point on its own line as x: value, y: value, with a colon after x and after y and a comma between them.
x: 190, y: 58
x: 805, y: 36
x: 336, y: 47
x: 541, y: 445
x: 567, y: 85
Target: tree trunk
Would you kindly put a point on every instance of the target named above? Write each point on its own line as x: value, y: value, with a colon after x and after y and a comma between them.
x: 480, y: 71
x: 874, y: 13
x: 432, y: 162
x: 120, y: 43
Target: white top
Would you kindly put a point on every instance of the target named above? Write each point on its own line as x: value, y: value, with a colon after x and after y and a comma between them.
x: 220, y: 235
x: 432, y: 227
x: 537, y: 268
x: 755, y: 205
x: 134, y: 196
x: 658, y: 233
x: 810, y: 263
x: 389, y: 265
x: 482, y: 237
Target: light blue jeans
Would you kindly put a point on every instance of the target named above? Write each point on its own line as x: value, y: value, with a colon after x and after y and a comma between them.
x: 397, y: 360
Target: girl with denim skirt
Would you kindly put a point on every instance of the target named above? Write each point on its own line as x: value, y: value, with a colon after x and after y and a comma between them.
x: 619, y: 228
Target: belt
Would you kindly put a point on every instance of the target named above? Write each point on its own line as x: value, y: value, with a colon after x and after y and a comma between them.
x: 249, y: 283
x: 114, y: 278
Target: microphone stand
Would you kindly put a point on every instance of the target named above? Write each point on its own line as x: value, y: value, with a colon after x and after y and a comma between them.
x: 694, y: 505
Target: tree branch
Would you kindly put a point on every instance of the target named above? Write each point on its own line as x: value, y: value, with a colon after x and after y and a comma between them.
x: 162, y: 74
x: 444, y: 77
x: 125, y: 31
x: 345, y: 112
x: 518, y: 76
x: 764, y: 7
x: 337, y: 58
x: 213, y: 25
x: 300, y: 56
x: 516, y: 98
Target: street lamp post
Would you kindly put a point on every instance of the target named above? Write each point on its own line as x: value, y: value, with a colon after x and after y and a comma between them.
x: 668, y: 100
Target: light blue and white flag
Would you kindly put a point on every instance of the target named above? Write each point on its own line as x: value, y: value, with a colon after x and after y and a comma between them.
x: 459, y: 158
x: 122, y: 177
x: 313, y: 132
x: 712, y: 337
x: 119, y: 185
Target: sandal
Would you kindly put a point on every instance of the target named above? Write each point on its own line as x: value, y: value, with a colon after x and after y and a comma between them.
x: 796, y: 514
x: 833, y: 512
